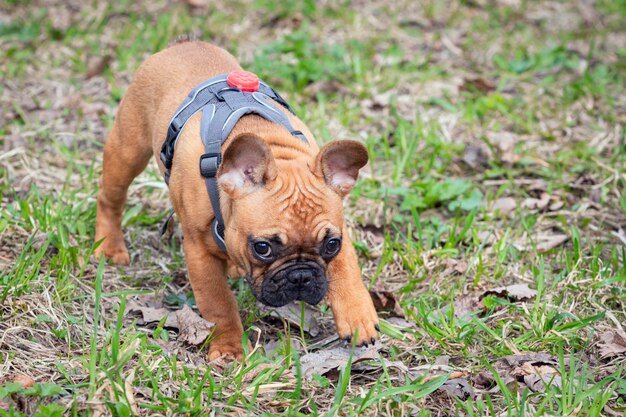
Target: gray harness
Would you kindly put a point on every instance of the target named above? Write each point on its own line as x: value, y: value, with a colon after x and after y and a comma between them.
x: 222, y: 106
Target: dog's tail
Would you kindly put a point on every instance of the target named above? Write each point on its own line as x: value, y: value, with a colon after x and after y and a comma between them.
x: 188, y: 37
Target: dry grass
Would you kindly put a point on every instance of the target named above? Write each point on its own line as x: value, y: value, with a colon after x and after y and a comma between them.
x: 516, y: 105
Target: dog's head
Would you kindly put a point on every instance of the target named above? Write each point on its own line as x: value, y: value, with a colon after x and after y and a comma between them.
x: 284, y: 220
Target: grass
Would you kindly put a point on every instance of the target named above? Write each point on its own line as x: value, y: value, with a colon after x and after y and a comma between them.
x: 464, y: 106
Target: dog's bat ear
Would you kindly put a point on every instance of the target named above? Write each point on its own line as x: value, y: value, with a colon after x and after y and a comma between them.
x: 246, y: 164
x: 339, y: 163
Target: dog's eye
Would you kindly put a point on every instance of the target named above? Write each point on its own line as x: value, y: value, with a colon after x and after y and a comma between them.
x: 332, y: 247
x: 263, y: 249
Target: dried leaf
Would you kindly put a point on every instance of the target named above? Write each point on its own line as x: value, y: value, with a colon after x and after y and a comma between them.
x: 385, y: 300
x: 334, y: 359
x: 536, y: 377
x: 485, y: 380
x: 538, y: 383
x: 537, y: 203
x: 480, y: 84
x: 442, y: 360
x: 613, y: 343
x: 467, y: 305
x: 97, y: 65
x: 272, y: 344
x: 527, y: 368
x: 517, y: 292
x: 200, y: 4
x: 454, y: 266
x: 504, y: 205
x: 458, y: 387
x: 254, y: 372
x: 535, y: 358
x: 152, y: 314
x: 488, y: 237
x: 25, y: 380
x: 535, y: 370
x: 193, y: 328
x: 292, y: 313
x: 375, y: 234
x: 401, y: 323
x: 476, y: 156
x: 557, y: 205
x: 545, y: 243
x: 505, y: 143
x: 326, y: 87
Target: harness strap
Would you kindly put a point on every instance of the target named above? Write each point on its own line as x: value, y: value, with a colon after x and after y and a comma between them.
x: 222, y: 106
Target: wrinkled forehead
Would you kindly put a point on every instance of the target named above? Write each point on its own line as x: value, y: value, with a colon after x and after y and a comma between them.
x: 298, y: 210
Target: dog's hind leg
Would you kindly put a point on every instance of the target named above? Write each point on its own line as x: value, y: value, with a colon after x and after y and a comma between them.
x: 126, y: 153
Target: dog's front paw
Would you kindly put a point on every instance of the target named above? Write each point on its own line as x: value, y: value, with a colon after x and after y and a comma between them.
x: 356, y: 319
x: 116, y: 255
x: 226, y: 348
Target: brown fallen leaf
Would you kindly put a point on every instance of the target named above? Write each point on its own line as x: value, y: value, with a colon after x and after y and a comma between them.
x: 467, y: 305
x: 336, y: 358
x: 61, y: 18
x: 612, y: 343
x: 200, y: 4
x: 557, y: 205
x: 528, y: 368
x: 150, y: 313
x: 485, y: 380
x: 550, y: 242
x: 454, y: 266
x: 476, y: 157
x: 536, y: 203
x: 385, y: 300
x: 401, y: 323
x: 516, y: 292
x: 480, y: 84
x: 271, y: 345
x: 534, y: 370
x: 504, y: 205
x: 544, y: 242
x: 536, y: 377
x: 193, y: 328
x: 326, y: 87
x: 488, y: 237
x: 292, y: 313
x: 254, y: 372
x: 536, y: 358
x: 458, y: 387
x: 374, y: 234
x: 25, y: 380
x: 97, y: 65
x: 538, y: 383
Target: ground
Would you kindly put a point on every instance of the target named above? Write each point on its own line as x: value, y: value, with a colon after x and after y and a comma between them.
x: 491, y: 215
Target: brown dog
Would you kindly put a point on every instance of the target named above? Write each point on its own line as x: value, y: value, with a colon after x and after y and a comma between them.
x: 281, y: 201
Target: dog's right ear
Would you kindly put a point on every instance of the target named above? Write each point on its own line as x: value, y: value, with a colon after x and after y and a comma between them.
x: 246, y: 164
x: 339, y: 162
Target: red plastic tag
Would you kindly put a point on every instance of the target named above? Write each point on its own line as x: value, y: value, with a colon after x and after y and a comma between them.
x: 243, y: 80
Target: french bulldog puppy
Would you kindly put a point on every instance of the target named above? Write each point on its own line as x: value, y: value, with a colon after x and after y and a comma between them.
x: 281, y: 201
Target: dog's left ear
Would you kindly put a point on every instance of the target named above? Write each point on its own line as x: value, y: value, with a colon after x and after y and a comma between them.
x: 339, y: 163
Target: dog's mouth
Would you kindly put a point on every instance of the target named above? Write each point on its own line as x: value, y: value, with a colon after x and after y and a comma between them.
x: 298, y: 281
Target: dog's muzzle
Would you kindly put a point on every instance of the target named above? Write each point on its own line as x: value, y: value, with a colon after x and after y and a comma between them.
x: 305, y: 281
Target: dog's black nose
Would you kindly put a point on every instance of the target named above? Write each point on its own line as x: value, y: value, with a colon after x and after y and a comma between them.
x: 301, y: 276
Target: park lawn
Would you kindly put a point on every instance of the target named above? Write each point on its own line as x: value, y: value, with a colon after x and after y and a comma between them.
x: 493, y: 209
